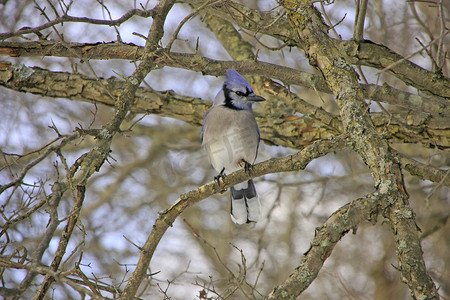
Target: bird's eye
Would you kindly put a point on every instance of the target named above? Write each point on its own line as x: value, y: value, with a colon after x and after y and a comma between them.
x: 239, y: 93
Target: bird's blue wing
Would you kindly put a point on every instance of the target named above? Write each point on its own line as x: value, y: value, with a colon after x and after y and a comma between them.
x: 203, y: 126
x: 259, y: 139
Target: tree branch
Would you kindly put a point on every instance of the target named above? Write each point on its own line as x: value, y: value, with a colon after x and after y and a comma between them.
x: 346, y: 218
x: 380, y: 57
x: 370, y: 145
x: 66, y: 19
x: 245, y: 64
x: 425, y: 172
x: 41, y: 157
x: 361, y: 9
x: 291, y: 131
x: 92, y: 161
x: 294, y: 162
x: 365, y: 53
x: 64, y: 241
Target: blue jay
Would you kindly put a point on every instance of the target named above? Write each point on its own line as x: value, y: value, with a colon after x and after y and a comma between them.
x: 230, y: 136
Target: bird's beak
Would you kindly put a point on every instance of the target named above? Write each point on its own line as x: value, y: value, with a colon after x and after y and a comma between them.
x: 255, y: 98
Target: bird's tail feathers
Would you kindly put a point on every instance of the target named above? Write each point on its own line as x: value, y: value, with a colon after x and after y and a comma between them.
x: 245, y: 205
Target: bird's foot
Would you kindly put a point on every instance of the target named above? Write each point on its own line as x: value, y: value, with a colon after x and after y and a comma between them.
x: 220, y: 176
x: 248, y: 168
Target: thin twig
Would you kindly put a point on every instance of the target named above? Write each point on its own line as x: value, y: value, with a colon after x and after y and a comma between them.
x: 324, y: 12
x: 49, y: 150
x: 238, y: 281
x: 412, y: 54
x: 358, y: 34
x: 67, y: 18
x: 187, y: 18
x: 63, y: 243
x: 440, y: 52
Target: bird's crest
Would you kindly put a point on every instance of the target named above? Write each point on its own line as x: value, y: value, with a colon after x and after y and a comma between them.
x: 235, y: 80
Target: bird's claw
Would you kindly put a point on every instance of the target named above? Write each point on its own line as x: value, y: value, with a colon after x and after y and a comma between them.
x: 220, y: 176
x: 248, y: 168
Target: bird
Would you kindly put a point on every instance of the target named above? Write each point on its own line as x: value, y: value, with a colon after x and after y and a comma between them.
x: 231, y: 138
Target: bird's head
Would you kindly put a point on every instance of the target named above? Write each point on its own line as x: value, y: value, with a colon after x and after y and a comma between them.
x: 237, y: 92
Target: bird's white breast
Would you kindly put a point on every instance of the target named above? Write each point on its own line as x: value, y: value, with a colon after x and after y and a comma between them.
x: 230, y: 138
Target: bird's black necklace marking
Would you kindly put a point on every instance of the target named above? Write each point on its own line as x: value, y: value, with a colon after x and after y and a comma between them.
x: 230, y: 105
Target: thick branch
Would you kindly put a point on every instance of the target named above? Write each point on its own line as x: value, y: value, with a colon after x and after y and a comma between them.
x: 154, y: 36
x: 425, y: 172
x: 291, y: 163
x: 365, y: 53
x: 92, y: 161
x: 290, y: 131
x: 346, y: 218
x: 380, y: 57
x: 289, y: 76
x: 370, y: 145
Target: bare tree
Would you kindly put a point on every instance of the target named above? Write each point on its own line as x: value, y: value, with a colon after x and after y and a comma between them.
x: 106, y: 193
